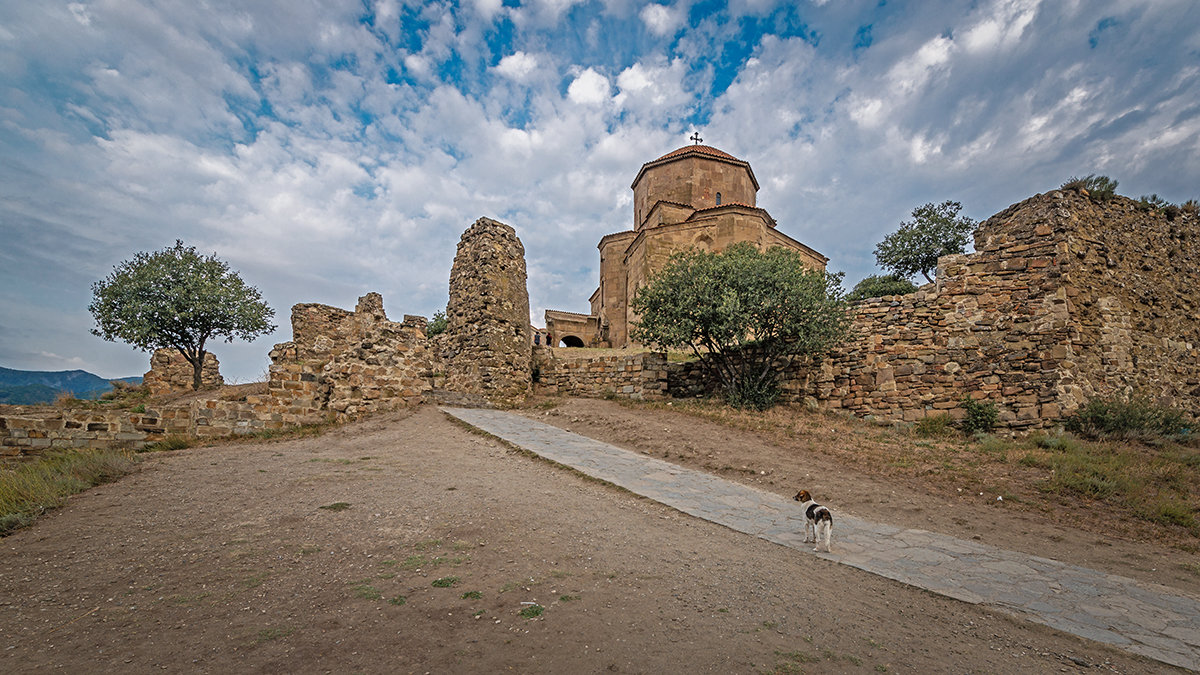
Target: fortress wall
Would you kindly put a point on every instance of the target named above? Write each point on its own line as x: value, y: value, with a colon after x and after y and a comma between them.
x: 996, y: 327
x: 1135, y: 295
x: 621, y: 374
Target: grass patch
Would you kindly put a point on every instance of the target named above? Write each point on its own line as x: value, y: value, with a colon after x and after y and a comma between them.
x: 444, y: 582
x: 169, y: 443
x: 1135, y: 418
x: 367, y: 592
x: 44, y: 483
x: 934, y: 426
x: 472, y: 595
x: 568, y: 598
x: 531, y: 611
x: 336, y: 506
x: 414, y: 562
x: 182, y: 600
x: 398, y: 600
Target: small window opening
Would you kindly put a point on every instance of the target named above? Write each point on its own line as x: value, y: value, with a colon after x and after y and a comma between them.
x: 718, y: 199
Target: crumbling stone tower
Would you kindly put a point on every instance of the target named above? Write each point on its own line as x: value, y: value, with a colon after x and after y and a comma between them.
x: 486, y: 350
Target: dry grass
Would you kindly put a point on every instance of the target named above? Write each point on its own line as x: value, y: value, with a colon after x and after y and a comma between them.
x: 1157, y: 483
x: 33, y: 487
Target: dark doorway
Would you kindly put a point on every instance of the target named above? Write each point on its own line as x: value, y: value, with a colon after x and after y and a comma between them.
x: 571, y: 341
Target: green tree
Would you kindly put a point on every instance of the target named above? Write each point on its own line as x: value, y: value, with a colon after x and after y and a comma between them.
x: 437, y: 325
x: 177, y: 298
x: 935, y: 231
x: 875, y: 286
x: 747, y: 313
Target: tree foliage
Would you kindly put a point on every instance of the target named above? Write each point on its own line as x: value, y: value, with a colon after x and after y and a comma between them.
x: 177, y: 298
x: 934, y: 231
x: 876, y: 286
x: 437, y: 325
x: 748, y: 313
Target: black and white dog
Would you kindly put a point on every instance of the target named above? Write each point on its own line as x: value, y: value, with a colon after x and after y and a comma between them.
x: 816, y: 517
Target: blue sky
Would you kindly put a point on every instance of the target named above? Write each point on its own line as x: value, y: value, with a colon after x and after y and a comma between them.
x: 329, y: 149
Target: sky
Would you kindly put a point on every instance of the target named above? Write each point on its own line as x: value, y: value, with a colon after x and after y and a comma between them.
x: 328, y: 149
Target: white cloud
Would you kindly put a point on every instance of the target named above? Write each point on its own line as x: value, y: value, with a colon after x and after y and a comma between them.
x: 662, y: 20
x: 279, y: 135
x: 912, y: 73
x: 652, y: 87
x: 517, y: 66
x: 1002, y: 26
x: 488, y: 9
x: 589, y: 88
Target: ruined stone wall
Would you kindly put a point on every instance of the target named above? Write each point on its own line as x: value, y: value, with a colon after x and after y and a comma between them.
x: 619, y: 374
x: 351, y: 363
x: 996, y: 327
x: 1064, y: 299
x: 1135, y: 294
x: 486, y: 348
x: 170, y: 373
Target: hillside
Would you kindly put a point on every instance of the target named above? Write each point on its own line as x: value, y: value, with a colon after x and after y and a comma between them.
x: 25, y: 387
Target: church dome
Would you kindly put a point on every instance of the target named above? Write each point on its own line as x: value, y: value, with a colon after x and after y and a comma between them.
x: 692, y: 177
x: 698, y: 149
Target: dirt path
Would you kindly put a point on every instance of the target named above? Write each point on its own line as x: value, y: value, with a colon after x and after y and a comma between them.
x: 222, y: 559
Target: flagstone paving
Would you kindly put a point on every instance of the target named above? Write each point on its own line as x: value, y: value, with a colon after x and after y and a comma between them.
x: 1138, y: 617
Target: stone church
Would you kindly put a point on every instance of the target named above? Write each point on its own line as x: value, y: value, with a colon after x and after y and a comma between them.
x: 694, y: 197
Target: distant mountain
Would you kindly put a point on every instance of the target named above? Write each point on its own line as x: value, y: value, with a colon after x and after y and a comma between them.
x: 37, y: 386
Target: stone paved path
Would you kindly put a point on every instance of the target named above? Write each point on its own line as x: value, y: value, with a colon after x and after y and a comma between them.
x: 1138, y: 617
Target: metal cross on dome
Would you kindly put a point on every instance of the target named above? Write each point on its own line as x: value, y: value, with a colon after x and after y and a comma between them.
x: 696, y: 137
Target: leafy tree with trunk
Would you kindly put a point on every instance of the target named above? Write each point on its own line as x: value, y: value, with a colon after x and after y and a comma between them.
x: 934, y: 231
x: 747, y: 313
x: 177, y: 298
x: 876, y: 286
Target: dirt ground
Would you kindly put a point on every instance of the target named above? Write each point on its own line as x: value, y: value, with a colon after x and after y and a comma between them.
x: 406, y: 543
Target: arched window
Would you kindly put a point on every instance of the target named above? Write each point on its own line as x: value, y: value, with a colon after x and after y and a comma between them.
x: 718, y: 199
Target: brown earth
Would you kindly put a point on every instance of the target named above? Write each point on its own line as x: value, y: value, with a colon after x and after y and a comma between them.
x: 223, y: 559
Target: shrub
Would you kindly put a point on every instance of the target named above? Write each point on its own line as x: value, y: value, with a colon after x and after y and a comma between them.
x: 981, y: 417
x: 1190, y: 207
x: 1151, y: 203
x: 1135, y: 418
x: 751, y: 395
x: 876, y: 286
x: 1099, y: 188
x: 437, y: 325
x: 934, y: 425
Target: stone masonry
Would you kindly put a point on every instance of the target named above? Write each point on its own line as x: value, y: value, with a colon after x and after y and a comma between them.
x: 486, y: 347
x: 1065, y: 299
x: 605, y: 373
x: 351, y: 363
x: 171, y: 373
